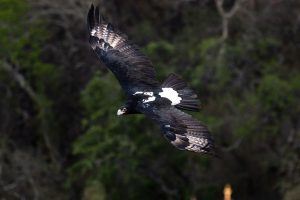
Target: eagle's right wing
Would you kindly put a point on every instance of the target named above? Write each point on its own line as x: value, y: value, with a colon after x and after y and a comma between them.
x: 132, y: 68
x: 182, y: 130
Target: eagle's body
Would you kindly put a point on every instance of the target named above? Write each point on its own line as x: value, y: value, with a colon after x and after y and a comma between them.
x: 160, y: 102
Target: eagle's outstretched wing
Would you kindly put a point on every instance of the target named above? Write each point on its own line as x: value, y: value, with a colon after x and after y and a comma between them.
x: 182, y: 130
x: 132, y: 68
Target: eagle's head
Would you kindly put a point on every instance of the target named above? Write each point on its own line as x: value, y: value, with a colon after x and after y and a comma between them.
x: 122, y: 111
x: 127, y: 109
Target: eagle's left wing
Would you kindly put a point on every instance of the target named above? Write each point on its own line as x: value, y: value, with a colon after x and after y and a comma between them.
x: 132, y: 68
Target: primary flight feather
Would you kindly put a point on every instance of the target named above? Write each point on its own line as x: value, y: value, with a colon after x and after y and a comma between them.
x: 160, y: 102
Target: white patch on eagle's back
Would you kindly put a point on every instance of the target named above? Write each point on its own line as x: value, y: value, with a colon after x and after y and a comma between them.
x: 138, y: 93
x: 148, y: 93
x: 171, y: 94
x: 144, y: 93
x: 149, y: 99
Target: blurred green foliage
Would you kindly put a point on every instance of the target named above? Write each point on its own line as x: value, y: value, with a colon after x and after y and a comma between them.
x: 59, y: 128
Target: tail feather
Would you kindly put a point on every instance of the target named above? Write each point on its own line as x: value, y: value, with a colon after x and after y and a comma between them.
x: 189, y: 99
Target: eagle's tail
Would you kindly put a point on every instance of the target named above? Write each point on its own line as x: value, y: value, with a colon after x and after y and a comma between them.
x: 189, y: 99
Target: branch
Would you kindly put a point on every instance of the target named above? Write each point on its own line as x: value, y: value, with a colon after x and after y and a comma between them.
x: 19, y: 78
x: 233, y: 146
x: 164, y: 187
x: 226, y: 15
x: 21, y: 81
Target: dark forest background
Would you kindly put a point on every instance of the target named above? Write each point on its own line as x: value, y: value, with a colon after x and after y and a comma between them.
x: 60, y: 137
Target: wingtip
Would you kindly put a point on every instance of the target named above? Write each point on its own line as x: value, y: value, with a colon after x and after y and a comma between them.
x: 94, y: 17
x: 97, y: 15
x: 91, y: 18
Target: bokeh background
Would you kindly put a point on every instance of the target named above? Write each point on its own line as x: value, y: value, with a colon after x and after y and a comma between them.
x: 59, y: 134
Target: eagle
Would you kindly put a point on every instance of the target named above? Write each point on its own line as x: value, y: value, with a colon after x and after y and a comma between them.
x: 163, y: 103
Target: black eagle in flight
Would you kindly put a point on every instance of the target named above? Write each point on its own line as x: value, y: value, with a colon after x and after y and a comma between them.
x: 160, y: 102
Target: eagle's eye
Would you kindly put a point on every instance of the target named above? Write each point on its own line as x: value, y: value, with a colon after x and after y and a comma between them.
x: 121, y: 111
